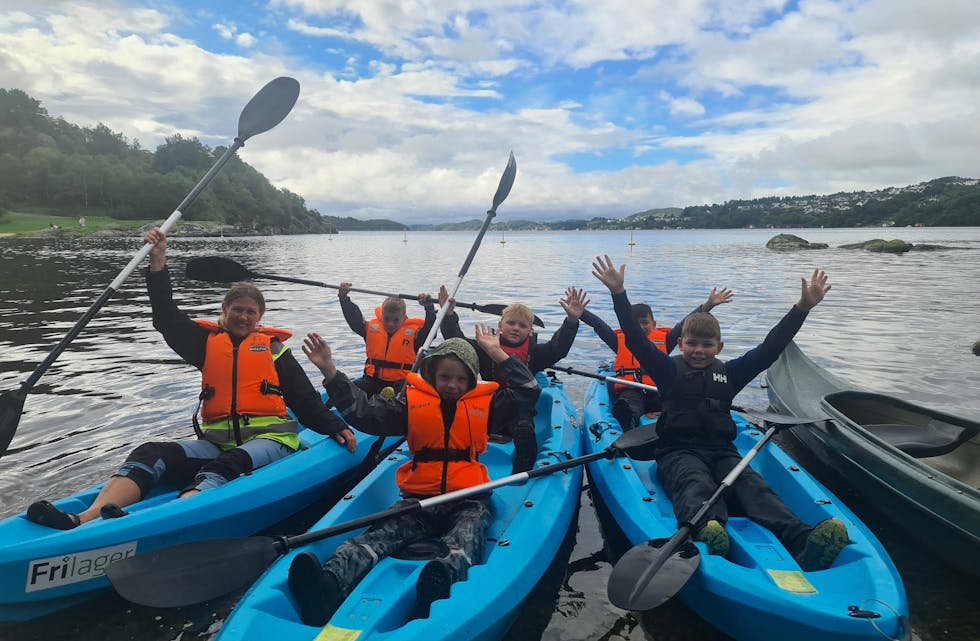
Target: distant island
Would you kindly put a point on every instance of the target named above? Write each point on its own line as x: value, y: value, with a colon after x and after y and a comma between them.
x: 51, y: 169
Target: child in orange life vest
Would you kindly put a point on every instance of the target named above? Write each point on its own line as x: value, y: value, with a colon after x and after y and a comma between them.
x: 517, y: 337
x: 391, y: 339
x: 630, y: 403
x: 446, y: 416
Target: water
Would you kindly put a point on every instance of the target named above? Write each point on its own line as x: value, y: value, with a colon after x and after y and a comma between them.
x: 902, y: 325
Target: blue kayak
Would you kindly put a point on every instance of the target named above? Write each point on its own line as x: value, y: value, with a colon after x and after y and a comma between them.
x: 43, y: 570
x: 758, y: 592
x: 529, y: 524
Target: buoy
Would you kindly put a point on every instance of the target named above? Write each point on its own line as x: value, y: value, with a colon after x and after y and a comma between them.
x: 631, y: 243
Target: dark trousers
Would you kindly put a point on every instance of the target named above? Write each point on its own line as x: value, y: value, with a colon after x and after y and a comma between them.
x: 691, y: 476
x: 631, y: 403
x: 461, y: 526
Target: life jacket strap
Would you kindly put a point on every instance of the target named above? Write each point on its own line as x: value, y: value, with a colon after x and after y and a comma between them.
x: 439, y: 455
x: 380, y: 362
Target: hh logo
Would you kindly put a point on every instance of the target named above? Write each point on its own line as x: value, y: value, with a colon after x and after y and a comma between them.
x: 719, y: 378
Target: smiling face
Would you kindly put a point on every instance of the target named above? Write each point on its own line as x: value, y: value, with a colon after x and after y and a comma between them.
x: 451, y: 378
x: 392, y: 320
x: 647, y: 324
x: 699, y: 352
x: 241, y: 316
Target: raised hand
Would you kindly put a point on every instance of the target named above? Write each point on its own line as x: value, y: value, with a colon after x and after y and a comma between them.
x: 319, y: 353
x: 158, y: 253
x: 489, y: 342
x: 574, y: 302
x: 425, y: 299
x: 717, y: 297
x: 813, y: 292
x: 614, y: 279
x: 343, y: 290
x: 444, y: 299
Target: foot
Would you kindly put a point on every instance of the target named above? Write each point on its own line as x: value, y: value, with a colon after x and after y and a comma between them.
x: 434, y: 582
x: 112, y: 511
x: 713, y: 534
x: 316, y: 592
x: 46, y: 514
x: 823, y: 544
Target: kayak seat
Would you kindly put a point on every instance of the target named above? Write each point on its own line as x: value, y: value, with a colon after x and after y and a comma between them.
x: 935, y: 438
x: 423, y: 550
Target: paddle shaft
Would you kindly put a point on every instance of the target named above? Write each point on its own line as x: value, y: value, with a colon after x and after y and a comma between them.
x: 611, y: 379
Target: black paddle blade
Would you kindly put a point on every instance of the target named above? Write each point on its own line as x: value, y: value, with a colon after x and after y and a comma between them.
x: 268, y: 107
x: 194, y: 572
x: 634, y: 438
x: 649, y: 574
x: 11, y: 407
x: 216, y: 269
x: 506, y: 182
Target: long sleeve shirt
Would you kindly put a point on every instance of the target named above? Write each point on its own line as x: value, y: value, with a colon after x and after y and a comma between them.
x: 189, y: 340
x: 389, y: 417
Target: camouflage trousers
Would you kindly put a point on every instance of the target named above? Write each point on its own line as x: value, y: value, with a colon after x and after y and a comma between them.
x: 461, y: 526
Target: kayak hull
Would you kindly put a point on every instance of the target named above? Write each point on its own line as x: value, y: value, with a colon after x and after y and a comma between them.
x: 529, y: 525
x: 43, y: 570
x: 759, y: 591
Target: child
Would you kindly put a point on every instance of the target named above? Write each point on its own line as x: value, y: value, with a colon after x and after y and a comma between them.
x: 518, y: 339
x: 696, y: 430
x: 630, y: 403
x: 391, y: 339
x: 445, y: 415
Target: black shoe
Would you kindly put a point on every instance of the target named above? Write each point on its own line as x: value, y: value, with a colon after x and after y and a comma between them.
x: 525, y: 446
x: 112, y: 511
x: 316, y: 591
x: 434, y: 583
x: 46, y: 514
x: 624, y: 415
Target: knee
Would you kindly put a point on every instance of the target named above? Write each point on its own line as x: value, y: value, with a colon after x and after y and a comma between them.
x: 227, y: 467
x: 148, y: 463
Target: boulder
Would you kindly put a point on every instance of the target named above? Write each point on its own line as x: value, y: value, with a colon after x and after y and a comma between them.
x: 894, y: 246
x: 790, y: 242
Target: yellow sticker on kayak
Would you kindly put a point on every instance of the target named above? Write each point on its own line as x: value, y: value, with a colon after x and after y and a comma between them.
x: 333, y: 633
x: 792, y: 581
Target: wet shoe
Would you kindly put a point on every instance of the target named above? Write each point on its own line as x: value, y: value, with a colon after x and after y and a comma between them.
x: 713, y: 535
x: 823, y: 544
x: 46, y: 514
x: 112, y: 511
x: 316, y: 591
x: 434, y: 583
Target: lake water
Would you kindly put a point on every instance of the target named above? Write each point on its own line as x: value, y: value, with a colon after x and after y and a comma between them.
x: 898, y: 324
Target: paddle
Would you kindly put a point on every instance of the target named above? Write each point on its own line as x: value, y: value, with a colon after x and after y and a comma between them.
x: 264, y: 111
x: 194, y: 572
x: 650, y: 573
x: 218, y: 269
x: 503, y: 189
x: 611, y: 379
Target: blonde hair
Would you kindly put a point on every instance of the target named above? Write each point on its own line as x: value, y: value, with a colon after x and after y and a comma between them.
x: 521, y: 312
x: 701, y: 325
x: 393, y: 304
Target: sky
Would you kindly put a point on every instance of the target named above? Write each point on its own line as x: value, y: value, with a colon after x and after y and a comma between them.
x: 408, y: 109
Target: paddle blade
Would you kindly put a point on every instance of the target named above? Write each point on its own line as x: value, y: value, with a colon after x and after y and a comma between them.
x: 192, y: 572
x: 216, y: 269
x: 651, y: 573
x: 11, y: 407
x: 506, y: 182
x: 268, y: 107
x: 636, y: 437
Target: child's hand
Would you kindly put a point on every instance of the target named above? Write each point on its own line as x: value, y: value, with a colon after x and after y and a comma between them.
x: 319, y: 353
x: 717, y: 297
x: 574, y: 302
x: 343, y: 289
x: 425, y: 299
x: 444, y: 299
x: 614, y: 279
x: 489, y: 342
x: 813, y: 292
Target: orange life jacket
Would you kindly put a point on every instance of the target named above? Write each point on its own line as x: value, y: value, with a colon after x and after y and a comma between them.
x: 251, y: 368
x: 390, y: 358
x: 626, y: 366
x: 444, y: 459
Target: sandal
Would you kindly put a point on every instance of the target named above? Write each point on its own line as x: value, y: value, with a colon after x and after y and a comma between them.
x: 112, y: 511
x: 46, y: 514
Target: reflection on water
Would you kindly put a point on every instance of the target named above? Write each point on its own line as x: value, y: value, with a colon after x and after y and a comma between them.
x: 901, y: 325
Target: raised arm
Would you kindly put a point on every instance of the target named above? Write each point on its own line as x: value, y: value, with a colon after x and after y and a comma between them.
x: 428, y: 303
x: 352, y: 313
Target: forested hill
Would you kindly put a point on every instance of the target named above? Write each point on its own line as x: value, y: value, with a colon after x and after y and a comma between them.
x: 50, y: 165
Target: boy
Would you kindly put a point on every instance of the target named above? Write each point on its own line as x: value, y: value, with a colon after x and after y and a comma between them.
x: 630, y: 403
x: 391, y: 339
x: 518, y: 339
x: 696, y: 429
x: 446, y: 416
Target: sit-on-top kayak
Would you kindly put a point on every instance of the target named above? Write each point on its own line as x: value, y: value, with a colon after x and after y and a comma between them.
x: 43, y: 569
x: 759, y: 591
x: 529, y: 523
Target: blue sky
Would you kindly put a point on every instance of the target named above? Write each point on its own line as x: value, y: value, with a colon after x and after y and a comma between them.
x: 409, y: 109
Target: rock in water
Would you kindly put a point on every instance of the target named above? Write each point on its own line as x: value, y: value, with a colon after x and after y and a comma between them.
x: 790, y: 242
